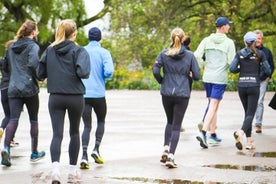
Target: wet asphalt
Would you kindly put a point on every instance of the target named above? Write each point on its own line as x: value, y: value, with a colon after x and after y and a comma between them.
x: 132, y: 145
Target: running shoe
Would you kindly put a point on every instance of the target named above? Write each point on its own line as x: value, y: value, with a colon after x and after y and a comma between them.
x: 56, y: 179
x: 250, y: 146
x: 202, y: 139
x: 214, y: 140
x: 170, y: 163
x: 35, y: 156
x: 164, y: 156
x: 238, y: 140
x: 5, y: 158
x: 74, y: 178
x: 84, y: 164
x: 98, y: 159
x: 1, y: 133
x: 258, y: 129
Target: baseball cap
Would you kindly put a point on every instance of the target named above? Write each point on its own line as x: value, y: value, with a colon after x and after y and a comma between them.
x: 221, y: 21
x: 250, y: 37
x: 94, y: 34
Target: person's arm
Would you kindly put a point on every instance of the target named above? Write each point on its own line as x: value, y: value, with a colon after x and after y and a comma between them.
x: 82, y: 63
x: 199, y: 53
x: 41, y: 71
x: 195, y: 69
x: 234, y: 66
x: 156, y: 69
x: 108, y: 65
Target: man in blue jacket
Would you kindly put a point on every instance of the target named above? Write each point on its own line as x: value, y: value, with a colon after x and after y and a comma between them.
x: 101, y: 69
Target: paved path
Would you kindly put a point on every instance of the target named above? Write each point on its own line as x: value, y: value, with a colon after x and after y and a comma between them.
x: 133, y: 140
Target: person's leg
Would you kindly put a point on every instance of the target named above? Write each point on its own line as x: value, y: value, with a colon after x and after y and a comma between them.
x: 260, y: 107
x: 75, y: 108
x: 252, y: 102
x: 100, y: 109
x: 168, y: 108
x: 6, y: 108
x: 16, y: 105
x: 87, y: 120
x: 57, y: 112
x: 179, y: 109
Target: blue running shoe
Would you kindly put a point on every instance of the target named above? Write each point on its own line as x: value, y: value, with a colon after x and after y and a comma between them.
x: 202, y: 139
x: 5, y: 158
x: 214, y: 140
x: 35, y: 156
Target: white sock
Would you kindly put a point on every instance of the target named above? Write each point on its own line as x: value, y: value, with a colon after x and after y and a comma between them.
x: 73, y: 169
x: 166, y: 147
x: 171, y: 156
x: 55, y: 167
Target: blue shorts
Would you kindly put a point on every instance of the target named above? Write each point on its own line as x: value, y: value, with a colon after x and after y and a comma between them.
x: 215, y: 91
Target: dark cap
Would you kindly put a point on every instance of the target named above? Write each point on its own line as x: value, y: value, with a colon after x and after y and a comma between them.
x: 94, y: 34
x: 221, y: 21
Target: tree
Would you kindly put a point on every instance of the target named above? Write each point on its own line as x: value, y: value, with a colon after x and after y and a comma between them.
x: 140, y: 28
x: 46, y: 13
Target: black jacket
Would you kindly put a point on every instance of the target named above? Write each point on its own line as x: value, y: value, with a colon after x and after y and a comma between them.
x: 5, y: 75
x: 64, y: 65
x: 22, y: 61
x: 269, y: 58
x: 249, y: 68
x: 175, y: 78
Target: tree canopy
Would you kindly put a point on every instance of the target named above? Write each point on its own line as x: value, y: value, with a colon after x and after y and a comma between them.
x: 140, y: 29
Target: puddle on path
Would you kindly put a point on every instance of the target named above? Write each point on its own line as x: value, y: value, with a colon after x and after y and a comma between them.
x: 240, y: 167
x: 265, y: 154
x: 162, y: 181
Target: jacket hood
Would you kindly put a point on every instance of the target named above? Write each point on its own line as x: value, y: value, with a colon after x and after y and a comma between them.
x: 21, y: 45
x: 64, y: 47
x: 181, y: 53
x: 217, y: 38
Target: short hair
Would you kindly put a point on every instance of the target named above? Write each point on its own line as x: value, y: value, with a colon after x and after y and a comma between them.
x: 259, y: 32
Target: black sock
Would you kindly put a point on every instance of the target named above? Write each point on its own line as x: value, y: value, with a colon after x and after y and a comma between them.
x: 214, y: 135
x: 204, y: 132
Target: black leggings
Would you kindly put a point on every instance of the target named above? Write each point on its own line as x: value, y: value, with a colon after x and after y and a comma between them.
x: 58, y: 105
x: 249, y: 99
x: 16, y: 105
x: 175, y: 109
x: 6, y: 107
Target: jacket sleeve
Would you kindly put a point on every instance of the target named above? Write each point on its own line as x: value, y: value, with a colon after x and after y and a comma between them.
x: 41, y: 71
x: 108, y: 65
x: 195, y: 69
x: 265, y: 67
x: 156, y: 69
x: 234, y: 66
x: 82, y: 64
x: 199, y: 53
x: 33, y: 59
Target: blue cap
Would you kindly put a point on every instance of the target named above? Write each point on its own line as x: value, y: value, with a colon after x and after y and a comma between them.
x: 95, y: 34
x: 221, y: 21
x: 250, y: 37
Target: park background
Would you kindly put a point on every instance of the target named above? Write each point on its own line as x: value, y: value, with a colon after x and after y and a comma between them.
x: 135, y: 31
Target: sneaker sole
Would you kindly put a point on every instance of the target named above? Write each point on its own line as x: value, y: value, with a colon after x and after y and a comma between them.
x: 238, y: 141
x: 201, y: 142
x: 5, y: 159
x: 171, y: 165
x: 97, y: 159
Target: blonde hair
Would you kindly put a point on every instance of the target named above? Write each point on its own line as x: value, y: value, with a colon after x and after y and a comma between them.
x: 64, y: 31
x: 25, y: 29
x: 177, y: 36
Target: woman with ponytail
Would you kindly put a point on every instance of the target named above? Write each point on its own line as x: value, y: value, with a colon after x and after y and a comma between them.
x: 178, y: 65
x: 248, y: 62
x: 64, y: 64
x: 22, y: 61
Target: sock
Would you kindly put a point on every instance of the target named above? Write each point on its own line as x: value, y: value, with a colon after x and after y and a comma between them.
x: 166, y: 147
x: 73, y: 169
x: 204, y: 132
x: 55, y: 167
x: 171, y: 156
x: 214, y: 135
